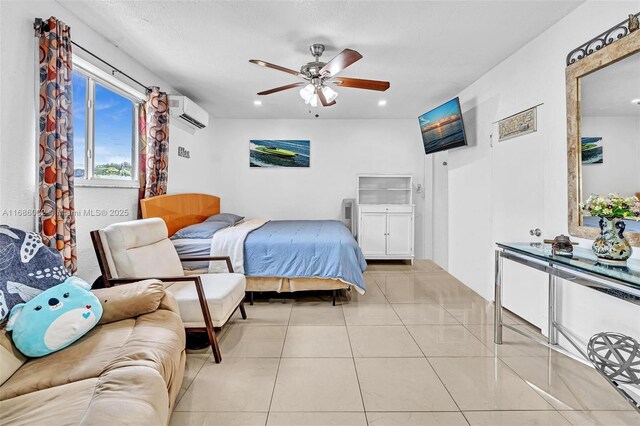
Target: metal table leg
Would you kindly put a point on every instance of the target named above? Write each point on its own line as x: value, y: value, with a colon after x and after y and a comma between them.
x: 552, y: 330
x: 497, y: 324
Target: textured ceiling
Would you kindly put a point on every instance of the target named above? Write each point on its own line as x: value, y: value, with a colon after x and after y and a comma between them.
x: 428, y: 50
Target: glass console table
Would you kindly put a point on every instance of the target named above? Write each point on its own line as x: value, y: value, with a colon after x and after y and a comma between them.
x: 583, y: 269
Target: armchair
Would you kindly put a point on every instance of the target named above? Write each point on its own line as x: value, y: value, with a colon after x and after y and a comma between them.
x: 141, y: 249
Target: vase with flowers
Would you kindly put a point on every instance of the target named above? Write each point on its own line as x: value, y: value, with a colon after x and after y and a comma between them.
x: 611, y: 246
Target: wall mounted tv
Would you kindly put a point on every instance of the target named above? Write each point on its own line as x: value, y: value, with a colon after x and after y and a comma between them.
x: 442, y: 128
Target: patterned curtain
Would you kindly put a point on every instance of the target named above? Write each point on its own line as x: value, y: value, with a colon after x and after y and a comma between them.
x: 57, y: 224
x: 153, y: 127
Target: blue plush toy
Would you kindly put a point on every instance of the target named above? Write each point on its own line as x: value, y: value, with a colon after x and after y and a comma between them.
x: 55, y: 318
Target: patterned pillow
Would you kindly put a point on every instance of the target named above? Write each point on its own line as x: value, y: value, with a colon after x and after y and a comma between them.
x: 27, y: 268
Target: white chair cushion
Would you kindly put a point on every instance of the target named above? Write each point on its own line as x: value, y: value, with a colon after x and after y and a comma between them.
x: 140, y: 248
x: 223, y: 292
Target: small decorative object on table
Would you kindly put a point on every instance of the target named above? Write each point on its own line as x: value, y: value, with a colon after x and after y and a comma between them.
x: 617, y: 356
x: 561, y: 245
x: 611, y: 246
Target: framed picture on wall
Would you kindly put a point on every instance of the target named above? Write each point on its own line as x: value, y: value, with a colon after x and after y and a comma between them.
x: 279, y: 153
x: 591, y: 150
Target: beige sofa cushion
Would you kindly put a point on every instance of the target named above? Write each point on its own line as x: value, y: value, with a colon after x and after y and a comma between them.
x: 122, y: 302
x: 122, y: 372
x: 134, y: 396
x: 10, y: 358
x: 129, y: 300
x: 151, y: 340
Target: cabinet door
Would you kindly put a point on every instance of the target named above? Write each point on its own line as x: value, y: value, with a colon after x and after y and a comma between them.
x: 400, y: 234
x: 372, y: 238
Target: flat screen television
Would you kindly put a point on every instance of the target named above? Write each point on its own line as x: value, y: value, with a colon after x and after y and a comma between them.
x: 442, y: 128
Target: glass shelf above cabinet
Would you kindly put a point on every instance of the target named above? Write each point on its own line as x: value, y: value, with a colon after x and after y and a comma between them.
x: 384, y: 189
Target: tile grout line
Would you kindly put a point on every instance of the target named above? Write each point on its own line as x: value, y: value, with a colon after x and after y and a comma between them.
x: 273, y: 390
x: 482, y: 327
x: 499, y: 358
x: 495, y: 355
x: 434, y: 371
x: 218, y: 336
x: 507, y: 366
x: 355, y: 368
x: 192, y: 380
x: 433, y: 368
x: 465, y: 418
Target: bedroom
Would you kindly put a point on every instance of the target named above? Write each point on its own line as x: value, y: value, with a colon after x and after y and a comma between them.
x: 427, y: 319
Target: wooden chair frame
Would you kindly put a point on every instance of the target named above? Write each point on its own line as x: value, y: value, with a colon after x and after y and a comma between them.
x: 109, y: 281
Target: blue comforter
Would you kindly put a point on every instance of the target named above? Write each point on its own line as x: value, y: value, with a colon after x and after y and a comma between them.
x: 304, y: 248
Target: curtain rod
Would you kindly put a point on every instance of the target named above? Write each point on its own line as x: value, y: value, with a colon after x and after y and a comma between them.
x: 39, y: 24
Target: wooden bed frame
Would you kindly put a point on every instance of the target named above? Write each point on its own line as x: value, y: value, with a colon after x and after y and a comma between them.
x: 180, y: 210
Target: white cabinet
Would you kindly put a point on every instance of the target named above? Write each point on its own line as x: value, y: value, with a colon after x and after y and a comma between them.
x: 386, y: 231
x: 373, y: 233
x: 385, y: 216
x: 400, y: 234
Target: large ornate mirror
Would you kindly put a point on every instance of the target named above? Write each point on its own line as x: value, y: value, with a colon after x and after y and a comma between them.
x: 603, y: 125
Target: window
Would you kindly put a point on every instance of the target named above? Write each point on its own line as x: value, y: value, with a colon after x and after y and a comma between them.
x: 105, y: 129
x: 79, y: 123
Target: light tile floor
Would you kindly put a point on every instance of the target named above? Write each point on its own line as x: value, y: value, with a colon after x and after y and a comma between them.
x: 417, y: 349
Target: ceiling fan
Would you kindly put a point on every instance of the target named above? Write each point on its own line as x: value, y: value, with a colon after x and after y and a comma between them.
x: 319, y: 75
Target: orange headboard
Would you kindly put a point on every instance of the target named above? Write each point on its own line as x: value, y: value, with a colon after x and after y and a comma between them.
x: 180, y: 210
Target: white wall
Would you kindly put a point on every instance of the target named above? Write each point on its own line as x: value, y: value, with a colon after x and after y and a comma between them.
x: 17, y: 126
x: 440, y: 206
x: 340, y: 149
x: 620, y: 171
x: 533, y: 75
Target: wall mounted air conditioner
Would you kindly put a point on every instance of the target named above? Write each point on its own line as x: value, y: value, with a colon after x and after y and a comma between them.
x: 188, y: 112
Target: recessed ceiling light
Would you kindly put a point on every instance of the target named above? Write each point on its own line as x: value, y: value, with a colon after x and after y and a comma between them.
x: 257, y: 103
x: 382, y: 102
x: 635, y: 101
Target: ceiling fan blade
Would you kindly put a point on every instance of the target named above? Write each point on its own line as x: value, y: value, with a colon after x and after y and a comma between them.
x: 359, y: 83
x: 340, y: 62
x: 323, y: 99
x: 275, y: 67
x: 281, y: 88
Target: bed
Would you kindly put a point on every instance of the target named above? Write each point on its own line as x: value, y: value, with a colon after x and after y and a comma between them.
x: 280, y: 256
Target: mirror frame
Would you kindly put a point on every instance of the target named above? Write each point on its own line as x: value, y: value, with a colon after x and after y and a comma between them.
x: 609, y: 54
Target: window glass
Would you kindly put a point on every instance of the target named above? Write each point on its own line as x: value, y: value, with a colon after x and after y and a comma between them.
x: 113, y: 134
x: 79, y: 82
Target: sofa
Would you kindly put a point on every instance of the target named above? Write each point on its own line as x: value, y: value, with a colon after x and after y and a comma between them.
x: 126, y: 370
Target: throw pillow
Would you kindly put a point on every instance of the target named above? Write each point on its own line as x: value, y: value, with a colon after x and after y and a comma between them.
x: 27, y: 267
x: 202, y: 230
x: 229, y: 218
x: 55, y: 318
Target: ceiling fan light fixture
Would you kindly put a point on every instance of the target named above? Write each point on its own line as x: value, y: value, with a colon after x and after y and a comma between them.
x: 329, y: 93
x: 307, y: 92
x: 319, y: 77
x: 314, y: 100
